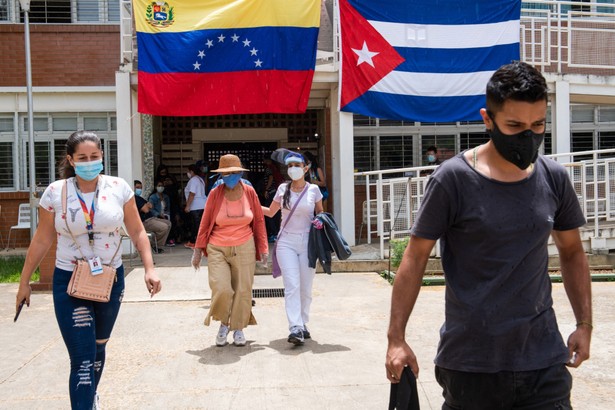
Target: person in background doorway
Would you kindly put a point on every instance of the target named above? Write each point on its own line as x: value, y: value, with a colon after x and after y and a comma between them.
x: 494, y: 208
x: 158, y: 226
x: 161, y: 208
x: 315, y: 174
x: 232, y: 236
x: 97, y: 207
x: 171, y: 189
x: 292, y: 244
x: 195, y: 202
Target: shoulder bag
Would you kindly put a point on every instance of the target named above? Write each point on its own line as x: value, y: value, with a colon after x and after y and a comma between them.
x: 276, y: 271
x: 83, y: 284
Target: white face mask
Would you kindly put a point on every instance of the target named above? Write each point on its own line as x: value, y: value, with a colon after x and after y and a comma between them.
x: 160, y: 189
x: 296, y: 173
x: 189, y: 175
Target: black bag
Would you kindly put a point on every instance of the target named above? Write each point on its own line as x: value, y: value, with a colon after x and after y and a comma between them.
x: 404, y: 395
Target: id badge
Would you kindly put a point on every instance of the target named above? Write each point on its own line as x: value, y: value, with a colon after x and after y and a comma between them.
x: 95, y: 266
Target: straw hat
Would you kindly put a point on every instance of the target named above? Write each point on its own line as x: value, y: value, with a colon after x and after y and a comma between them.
x: 229, y: 163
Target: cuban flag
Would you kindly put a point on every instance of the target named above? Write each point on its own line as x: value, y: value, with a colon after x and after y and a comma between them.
x: 424, y: 60
x: 217, y: 57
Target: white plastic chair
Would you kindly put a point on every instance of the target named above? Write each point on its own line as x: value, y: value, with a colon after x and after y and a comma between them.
x: 23, y: 221
x: 124, y: 236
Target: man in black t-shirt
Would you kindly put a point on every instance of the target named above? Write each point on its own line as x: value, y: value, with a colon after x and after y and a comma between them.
x: 493, y: 209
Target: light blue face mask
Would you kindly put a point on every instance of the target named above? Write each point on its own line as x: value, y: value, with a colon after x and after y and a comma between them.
x: 231, y: 180
x: 138, y: 191
x: 88, y: 170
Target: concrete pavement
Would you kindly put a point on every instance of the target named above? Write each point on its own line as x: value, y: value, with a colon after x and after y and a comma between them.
x: 160, y: 355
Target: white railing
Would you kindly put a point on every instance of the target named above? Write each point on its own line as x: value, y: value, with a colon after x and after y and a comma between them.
x: 568, y: 36
x: 398, y: 199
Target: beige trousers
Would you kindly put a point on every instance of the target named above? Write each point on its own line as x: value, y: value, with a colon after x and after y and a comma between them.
x: 231, y: 276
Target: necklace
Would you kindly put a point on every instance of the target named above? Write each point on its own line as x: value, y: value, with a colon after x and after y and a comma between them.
x: 297, y: 189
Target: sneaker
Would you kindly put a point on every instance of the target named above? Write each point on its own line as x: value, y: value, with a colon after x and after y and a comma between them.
x: 296, y: 336
x: 171, y: 243
x: 306, y: 333
x: 96, y: 405
x: 238, y: 338
x: 159, y: 250
x: 222, y: 335
x: 189, y: 245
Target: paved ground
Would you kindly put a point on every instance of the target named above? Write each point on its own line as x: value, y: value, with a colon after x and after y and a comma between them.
x: 161, y: 356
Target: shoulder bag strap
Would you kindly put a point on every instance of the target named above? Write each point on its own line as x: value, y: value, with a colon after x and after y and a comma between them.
x: 294, y: 207
x: 64, y: 208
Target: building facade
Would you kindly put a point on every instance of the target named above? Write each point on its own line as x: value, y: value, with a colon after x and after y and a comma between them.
x: 84, y: 65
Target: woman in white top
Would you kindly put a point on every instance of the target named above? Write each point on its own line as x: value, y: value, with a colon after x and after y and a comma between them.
x: 195, y: 202
x: 97, y: 206
x: 292, y: 244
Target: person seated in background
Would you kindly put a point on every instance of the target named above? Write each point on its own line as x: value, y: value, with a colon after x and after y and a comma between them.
x: 431, y: 157
x: 159, y: 226
x: 161, y: 208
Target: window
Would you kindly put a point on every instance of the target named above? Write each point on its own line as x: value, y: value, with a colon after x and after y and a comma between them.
x: 49, y: 11
x: 364, y: 153
x: 6, y: 167
x: 40, y: 124
x: 5, y: 12
x: 95, y: 124
x: 6, y: 125
x: 42, y: 166
x: 64, y: 124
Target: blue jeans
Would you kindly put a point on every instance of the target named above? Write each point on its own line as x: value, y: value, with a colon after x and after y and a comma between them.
x: 82, y: 323
x: 528, y: 390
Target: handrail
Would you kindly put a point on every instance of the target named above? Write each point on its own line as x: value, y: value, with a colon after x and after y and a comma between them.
x: 591, y: 178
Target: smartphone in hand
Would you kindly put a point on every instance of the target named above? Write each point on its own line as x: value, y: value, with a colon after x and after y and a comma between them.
x: 23, y: 302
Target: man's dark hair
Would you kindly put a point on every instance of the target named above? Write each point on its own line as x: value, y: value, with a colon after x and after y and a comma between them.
x: 516, y: 81
x: 432, y: 148
x: 137, y: 182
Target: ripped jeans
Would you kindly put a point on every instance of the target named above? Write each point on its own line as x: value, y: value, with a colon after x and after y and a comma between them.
x: 81, y: 323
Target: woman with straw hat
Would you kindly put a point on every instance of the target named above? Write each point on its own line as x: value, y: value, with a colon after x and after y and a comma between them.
x: 232, y: 236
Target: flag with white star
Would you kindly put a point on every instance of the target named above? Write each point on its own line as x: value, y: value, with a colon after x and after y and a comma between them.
x: 199, y: 57
x: 424, y: 60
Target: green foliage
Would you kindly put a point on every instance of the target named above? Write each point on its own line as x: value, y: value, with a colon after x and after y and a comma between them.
x: 398, y: 246
x: 10, y: 269
x: 388, y: 276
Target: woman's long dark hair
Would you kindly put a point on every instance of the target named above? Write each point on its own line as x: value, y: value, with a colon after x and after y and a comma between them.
x: 313, y: 160
x: 76, y: 138
x: 286, y: 197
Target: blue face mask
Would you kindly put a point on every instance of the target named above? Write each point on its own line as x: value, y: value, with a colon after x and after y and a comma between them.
x: 88, y: 170
x: 231, y: 180
x: 138, y: 191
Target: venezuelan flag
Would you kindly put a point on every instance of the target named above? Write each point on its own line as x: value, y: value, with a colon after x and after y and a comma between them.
x: 216, y: 57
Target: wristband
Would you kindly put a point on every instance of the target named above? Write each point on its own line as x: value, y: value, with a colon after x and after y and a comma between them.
x: 582, y: 322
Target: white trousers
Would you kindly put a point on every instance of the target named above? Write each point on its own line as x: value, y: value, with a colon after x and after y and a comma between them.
x: 292, y: 253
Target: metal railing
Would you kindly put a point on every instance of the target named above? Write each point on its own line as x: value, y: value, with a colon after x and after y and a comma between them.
x: 398, y: 199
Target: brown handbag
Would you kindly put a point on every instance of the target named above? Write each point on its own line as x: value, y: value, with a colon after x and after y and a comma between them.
x: 83, y: 284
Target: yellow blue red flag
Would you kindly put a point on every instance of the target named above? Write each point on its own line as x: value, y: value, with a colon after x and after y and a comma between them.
x: 216, y: 57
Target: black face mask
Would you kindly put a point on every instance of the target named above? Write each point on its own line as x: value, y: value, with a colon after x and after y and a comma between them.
x: 521, y: 149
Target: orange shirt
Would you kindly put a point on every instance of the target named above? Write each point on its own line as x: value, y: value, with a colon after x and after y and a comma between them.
x: 232, y: 226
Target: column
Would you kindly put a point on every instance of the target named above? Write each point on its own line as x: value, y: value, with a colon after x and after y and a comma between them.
x: 342, y: 167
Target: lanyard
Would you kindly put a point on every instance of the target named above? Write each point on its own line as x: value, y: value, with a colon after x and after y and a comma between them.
x: 89, y: 216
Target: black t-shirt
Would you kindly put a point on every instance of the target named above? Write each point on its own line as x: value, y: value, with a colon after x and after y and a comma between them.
x: 140, y: 202
x: 494, y: 237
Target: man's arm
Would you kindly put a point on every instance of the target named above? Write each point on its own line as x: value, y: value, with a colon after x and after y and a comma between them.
x: 577, y: 282
x: 408, y: 281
